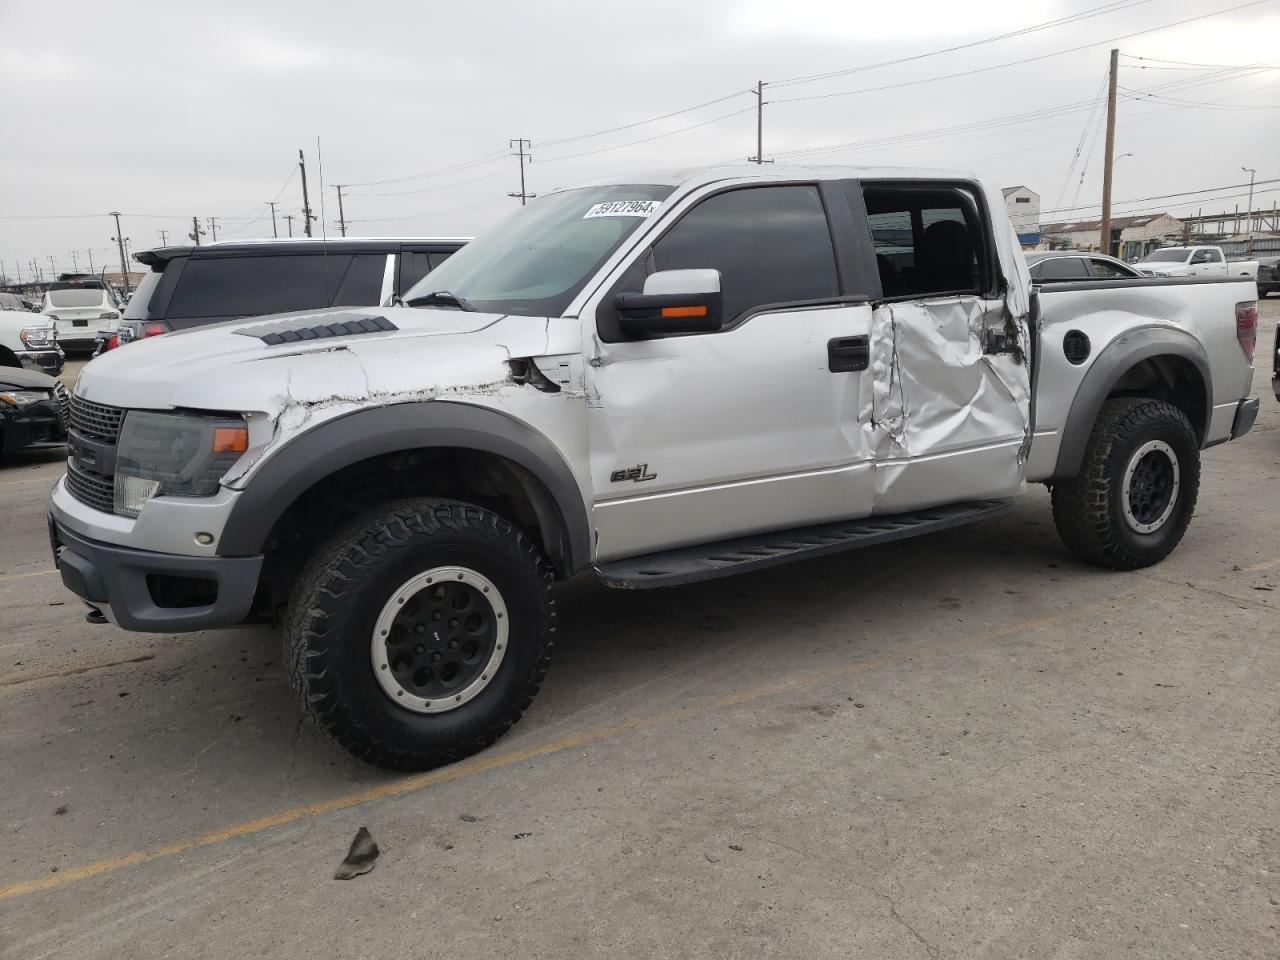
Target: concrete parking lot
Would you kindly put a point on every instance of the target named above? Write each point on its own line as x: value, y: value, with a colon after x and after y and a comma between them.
x: 966, y: 745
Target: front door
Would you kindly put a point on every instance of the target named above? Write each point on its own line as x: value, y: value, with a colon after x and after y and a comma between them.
x: 696, y: 438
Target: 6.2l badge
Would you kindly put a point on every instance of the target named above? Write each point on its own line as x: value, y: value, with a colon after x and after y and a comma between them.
x: 638, y: 474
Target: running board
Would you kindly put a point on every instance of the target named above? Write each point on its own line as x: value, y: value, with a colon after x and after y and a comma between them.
x: 727, y: 557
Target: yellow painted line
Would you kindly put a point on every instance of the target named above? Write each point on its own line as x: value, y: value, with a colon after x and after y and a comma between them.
x: 478, y: 765
x: 24, y: 576
x: 1259, y: 567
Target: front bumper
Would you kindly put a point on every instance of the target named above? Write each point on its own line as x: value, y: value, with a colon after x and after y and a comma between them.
x: 46, y: 361
x: 32, y: 427
x: 155, y: 592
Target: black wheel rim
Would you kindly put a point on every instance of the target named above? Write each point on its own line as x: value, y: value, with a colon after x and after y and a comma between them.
x: 1152, y: 487
x: 441, y: 640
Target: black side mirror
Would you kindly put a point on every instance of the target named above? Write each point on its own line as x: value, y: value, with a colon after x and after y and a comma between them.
x: 674, y: 301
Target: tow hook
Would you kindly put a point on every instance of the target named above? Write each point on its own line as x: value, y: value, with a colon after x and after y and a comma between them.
x: 95, y: 616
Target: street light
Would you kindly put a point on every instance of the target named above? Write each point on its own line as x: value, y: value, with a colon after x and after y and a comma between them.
x: 1119, y: 158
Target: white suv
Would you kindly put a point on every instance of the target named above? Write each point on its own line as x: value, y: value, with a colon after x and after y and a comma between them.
x: 79, y: 309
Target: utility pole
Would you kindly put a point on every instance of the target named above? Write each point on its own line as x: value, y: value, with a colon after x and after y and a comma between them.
x: 759, y: 92
x: 1105, y: 228
x: 306, y: 203
x: 196, y: 233
x: 213, y: 227
x: 75, y: 264
x: 1249, y: 211
x: 521, y: 145
x: 289, y: 217
x: 53, y: 267
x: 119, y: 238
x: 164, y: 237
x: 342, y: 223
x: 274, y: 231
x: 90, y: 252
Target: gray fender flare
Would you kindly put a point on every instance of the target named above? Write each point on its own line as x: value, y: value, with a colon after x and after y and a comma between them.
x: 1116, y: 359
x: 319, y: 452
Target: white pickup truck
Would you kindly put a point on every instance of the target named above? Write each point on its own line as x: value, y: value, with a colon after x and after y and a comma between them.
x: 662, y: 378
x: 1194, y: 262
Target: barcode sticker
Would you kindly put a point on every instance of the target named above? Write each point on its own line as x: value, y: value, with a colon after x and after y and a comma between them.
x: 622, y: 208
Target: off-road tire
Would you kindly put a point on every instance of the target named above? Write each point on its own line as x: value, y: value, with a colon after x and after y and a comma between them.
x: 337, y: 600
x: 1088, y: 510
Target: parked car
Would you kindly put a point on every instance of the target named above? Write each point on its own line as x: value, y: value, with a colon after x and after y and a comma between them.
x: 1268, y: 275
x: 193, y: 286
x: 1050, y: 266
x: 1194, y: 262
x: 665, y: 378
x: 33, y: 410
x: 79, y: 309
x: 29, y: 340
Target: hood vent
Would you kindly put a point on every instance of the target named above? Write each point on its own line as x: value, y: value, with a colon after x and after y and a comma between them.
x: 301, y: 329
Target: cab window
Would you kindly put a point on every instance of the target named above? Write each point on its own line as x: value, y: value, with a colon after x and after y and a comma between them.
x: 927, y: 241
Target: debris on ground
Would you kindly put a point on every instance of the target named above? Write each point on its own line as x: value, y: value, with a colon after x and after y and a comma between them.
x: 468, y: 818
x: 734, y: 846
x: 522, y: 836
x: 360, y: 858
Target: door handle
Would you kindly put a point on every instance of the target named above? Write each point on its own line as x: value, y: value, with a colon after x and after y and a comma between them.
x: 848, y: 354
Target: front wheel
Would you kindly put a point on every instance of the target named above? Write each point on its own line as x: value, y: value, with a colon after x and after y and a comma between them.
x: 1136, y: 490
x: 419, y: 633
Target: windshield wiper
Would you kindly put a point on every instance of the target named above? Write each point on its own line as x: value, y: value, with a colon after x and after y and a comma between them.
x: 442, y: 298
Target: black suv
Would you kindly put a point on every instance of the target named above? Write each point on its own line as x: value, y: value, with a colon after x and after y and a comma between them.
x: 193, y: 286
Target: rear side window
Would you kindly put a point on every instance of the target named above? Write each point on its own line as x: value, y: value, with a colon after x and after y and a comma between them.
x: 1064, y: 268
x: 248, y: 286
x: 927, y: 241
x: 770, y: 244
x: 362, y: 286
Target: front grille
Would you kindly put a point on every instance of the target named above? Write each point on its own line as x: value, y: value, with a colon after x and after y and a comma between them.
x: 95, y: 420
x: 97, y: 492
x: 63, y: 396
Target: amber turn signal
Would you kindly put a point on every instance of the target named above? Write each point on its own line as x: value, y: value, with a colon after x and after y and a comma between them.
x: 673, y: 312
x: 230, y: 439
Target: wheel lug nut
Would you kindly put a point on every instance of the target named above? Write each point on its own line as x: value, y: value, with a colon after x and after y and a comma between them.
x: 419, y: 649
x: 453, y: 644
x: 419, y: 628
x: 436, y: 657
x: 453, y: 622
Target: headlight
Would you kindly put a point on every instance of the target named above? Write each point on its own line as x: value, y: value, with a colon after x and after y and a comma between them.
x: 181, y: 455
x: 20, y: 398
x: 36, y: 336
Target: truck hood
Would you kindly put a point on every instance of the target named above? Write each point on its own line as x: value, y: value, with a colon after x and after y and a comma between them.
x: 338, y: 356
x: 1161, y: 269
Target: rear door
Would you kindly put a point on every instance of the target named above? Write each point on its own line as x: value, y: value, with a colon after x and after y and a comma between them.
x: 949, y: 341
x: 759, y: 426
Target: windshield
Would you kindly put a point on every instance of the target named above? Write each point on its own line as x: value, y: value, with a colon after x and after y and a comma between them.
x: 537, y: 260
x: 77, y: 298
x: 1172, y: 255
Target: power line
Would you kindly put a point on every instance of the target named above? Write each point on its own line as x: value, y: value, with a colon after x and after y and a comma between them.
x: 641, y: 123
x: 1114, y: 7
x: 658, y: 136
x: 1167, y: 196
x: 1015, y: 63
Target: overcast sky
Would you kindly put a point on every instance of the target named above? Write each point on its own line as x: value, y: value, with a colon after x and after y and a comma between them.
x: 168, y: 110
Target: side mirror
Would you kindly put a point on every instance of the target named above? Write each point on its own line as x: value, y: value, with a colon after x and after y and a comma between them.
x: 674, y: 301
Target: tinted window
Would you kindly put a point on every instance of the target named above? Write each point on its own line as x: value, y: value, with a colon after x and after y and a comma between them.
x: 1105, y: 270
x: 414, y: 265
x: 141, y: 299
x: 362, y: 286
x: 1063, y: 268
x: 248, y: 286
x: 926, y: 241
x: 770, y: 244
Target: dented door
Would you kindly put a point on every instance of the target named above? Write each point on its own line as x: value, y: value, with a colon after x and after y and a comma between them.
x: 950, y: 402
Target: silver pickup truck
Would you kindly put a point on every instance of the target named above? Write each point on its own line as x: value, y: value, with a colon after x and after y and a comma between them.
x: 659, y: 378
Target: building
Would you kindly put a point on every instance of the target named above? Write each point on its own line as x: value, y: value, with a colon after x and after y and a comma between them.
x: 1132, y: 237
x: 1024, y: 211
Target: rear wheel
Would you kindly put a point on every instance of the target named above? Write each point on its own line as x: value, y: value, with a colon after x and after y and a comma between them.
x: 1136, y: 490
x: 420, y: 632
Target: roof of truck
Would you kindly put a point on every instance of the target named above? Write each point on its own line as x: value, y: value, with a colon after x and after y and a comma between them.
x: 690, y: 176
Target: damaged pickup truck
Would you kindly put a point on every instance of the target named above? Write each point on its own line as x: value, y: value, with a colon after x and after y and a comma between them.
x: 663, y: 379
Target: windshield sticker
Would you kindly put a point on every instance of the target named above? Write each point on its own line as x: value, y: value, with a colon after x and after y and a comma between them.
x: 622, y: 208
